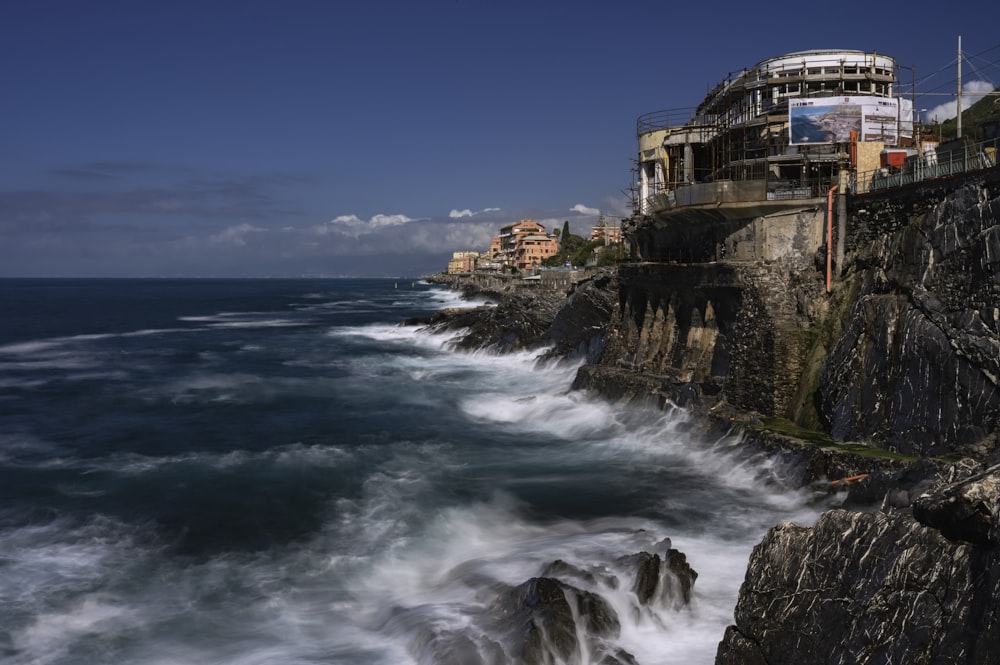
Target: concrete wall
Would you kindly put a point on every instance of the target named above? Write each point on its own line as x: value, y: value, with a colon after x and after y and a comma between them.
x: 790, y: 237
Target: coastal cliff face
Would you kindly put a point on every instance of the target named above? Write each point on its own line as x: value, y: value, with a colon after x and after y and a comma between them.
x: 912, y: 366
x: 916, y: 367
x: 704, y: 333
x: 877, y: 587
x: 903, y: 355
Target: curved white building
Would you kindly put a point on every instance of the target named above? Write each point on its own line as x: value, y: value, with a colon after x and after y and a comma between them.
x: 779, y: 131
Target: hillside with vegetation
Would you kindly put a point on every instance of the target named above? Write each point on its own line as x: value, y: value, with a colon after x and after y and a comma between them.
x: 976, y: 120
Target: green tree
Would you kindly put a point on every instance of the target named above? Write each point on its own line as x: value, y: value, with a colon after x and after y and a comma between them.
x: 569, y: 244
x: 584, y: 251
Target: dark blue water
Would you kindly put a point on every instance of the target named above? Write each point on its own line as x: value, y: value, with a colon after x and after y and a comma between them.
x: 275, y: 471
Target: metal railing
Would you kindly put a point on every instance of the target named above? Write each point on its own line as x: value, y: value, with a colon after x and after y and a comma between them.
x: 939, y: 164
x: 733, y: 191
x: 670, y: 118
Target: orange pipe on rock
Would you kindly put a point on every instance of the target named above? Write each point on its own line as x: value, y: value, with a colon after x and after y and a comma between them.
x: 829, y: 237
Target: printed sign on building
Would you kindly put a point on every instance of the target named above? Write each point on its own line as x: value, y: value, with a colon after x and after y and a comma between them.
x: 832, y: 119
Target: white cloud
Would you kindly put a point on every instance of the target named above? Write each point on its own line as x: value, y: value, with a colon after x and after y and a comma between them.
x: 972, y: 92
x: 234, y: 235
x: 584, y: 210
x: 393, y: 234
x: 389, y: 220
x: 458, y: 214
x: 354, y: 226
x: 349, y: 220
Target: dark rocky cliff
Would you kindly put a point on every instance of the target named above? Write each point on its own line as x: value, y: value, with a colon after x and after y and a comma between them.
x: 913, y: 334
x: 571, y: 322
x: 916, y: 367
x: 889, y: 586
x: 902, y: 357
x: 903, y: 354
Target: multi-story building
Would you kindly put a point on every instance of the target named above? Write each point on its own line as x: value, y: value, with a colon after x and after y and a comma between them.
x: 524, y: 244
x: 766, y: 141
x: 462, y: 263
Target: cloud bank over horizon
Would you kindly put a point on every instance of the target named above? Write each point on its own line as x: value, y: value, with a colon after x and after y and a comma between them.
x: 128, y: 219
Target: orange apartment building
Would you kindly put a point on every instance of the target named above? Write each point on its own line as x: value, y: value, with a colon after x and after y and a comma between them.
x: 524, y: 245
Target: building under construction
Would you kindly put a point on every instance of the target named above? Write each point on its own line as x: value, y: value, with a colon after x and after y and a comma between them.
x: 769, y: 140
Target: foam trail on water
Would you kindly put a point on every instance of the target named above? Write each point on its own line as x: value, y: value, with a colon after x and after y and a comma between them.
x: 342, y: 491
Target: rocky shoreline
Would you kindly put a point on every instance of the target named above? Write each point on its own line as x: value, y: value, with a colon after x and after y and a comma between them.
x: 907, y: 570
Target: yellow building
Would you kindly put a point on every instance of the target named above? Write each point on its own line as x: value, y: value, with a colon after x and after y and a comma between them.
x: 462, y: 263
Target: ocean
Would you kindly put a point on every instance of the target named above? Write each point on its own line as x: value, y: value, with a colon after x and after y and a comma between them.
x: 277, y: 471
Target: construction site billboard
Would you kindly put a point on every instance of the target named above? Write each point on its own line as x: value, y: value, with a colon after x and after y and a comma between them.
x: 834, y: 119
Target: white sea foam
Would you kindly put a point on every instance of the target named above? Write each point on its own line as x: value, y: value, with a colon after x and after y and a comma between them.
x: 452, y: 299
x: 33, y: 347
x: 510, y: 473
x: 228, y: 320
x: 362, y: 590
x: 75, y: 352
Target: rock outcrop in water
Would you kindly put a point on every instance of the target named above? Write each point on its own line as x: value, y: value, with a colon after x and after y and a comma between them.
x: 538, y: 621
x: 571, y: 323
x: 562, y: 616
x: 889, y: 586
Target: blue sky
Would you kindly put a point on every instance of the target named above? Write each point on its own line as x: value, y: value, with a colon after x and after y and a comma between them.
x: 333, y: 138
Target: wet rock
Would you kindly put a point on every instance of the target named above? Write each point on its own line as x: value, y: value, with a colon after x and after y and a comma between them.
x: 537, y: 621
x: 917, y: 366
x: 866, y: 588
x: 567, y: 572
x: 517, y: 322
x: 967, y: 510
x: 682, y: 572
x: 579, y: 328
x: 647, y: 576
x: 530, y: 317
x: 618, y: 657
x: 668, y: 581
x: 452, y: 318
